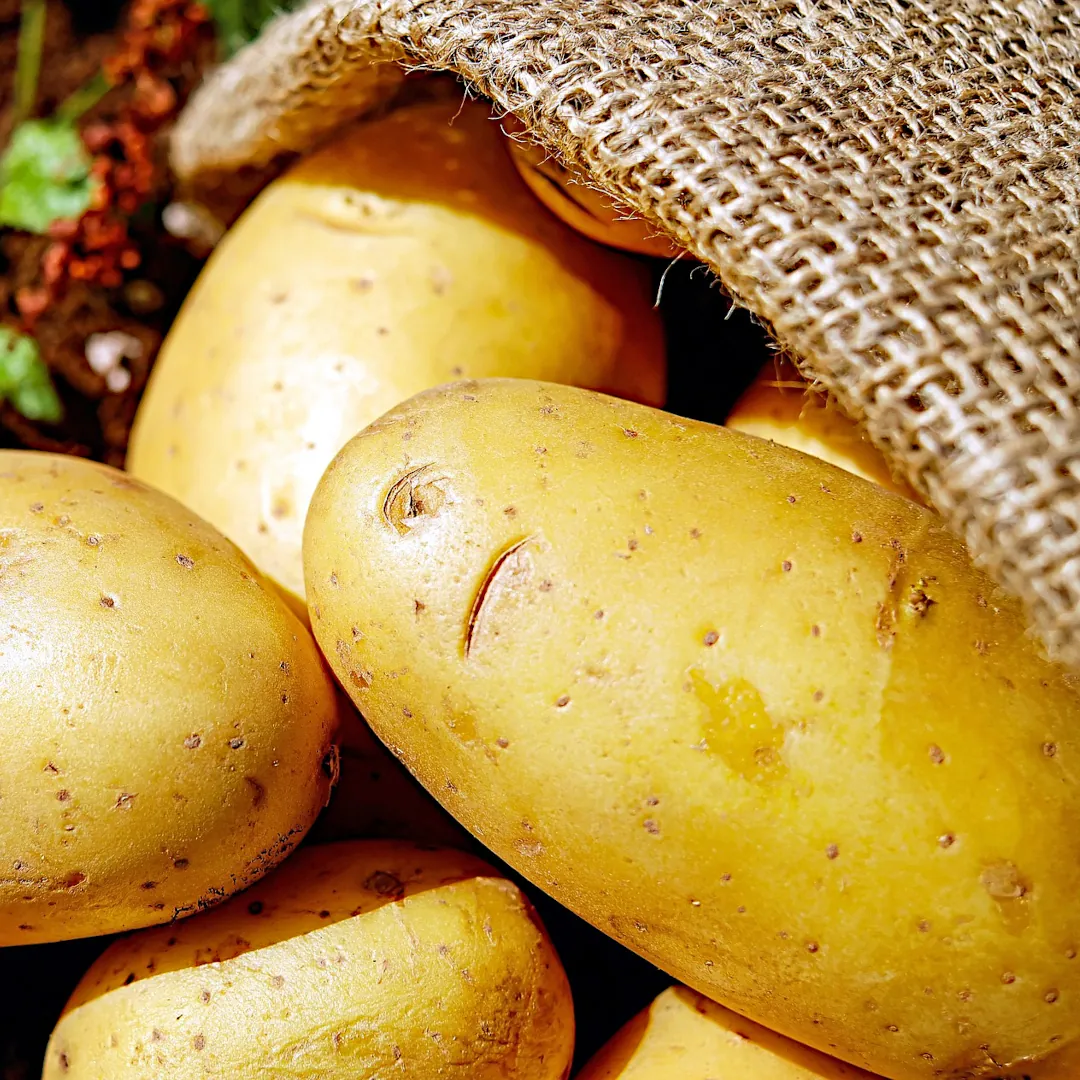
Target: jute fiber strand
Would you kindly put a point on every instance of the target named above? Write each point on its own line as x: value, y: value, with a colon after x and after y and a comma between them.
x: 893, y: 186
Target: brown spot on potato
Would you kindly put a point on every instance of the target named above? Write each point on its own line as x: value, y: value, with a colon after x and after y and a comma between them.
x: 237, y: 743
x: 186, y: 561
x: 562, y: 702
x: 73, y: 880
x: 937, y: 755
x: 180, y: 864
x: 1003, y: 881
x: 107, y: 601
x: 63, y: 795
x: 36, y: 508
x: 630, y: 433
x: 832, y: 852
x: 49, y: 768
x: 946, y: 840
x: 124, y: 801
x: 277, y: 981
x: 331, y: 765
x: 711, y: 638
x: 385, y: 884
x: 148, y: 885
x: 651, y: 827
x: 258, y: 792
x: 502, y: 743
x: 193, y: 742
x: 64, y: 1061
x: 856, y: 537
x: 1049, y: 749
x: 198, y: 1042
x: 812, y: 947
x: 786, y: 566
x: 1008, y: 978
x: 1050, y: 997
x: 360, y: 679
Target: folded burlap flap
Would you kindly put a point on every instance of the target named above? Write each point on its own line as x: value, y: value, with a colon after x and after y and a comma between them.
x: 893, y: 186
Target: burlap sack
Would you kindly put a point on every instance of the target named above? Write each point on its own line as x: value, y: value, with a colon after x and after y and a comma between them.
x: 893, y: 186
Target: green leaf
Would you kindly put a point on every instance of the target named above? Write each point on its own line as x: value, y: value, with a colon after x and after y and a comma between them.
x: 24, y: 378
x: 239, y: 21
x: 44, y: 176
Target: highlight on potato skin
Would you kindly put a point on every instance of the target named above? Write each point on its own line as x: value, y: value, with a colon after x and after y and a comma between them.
x: 684, y: 1036
x: 405, y: 253
x: 354, y: 959
x: 782, y: 406
x: 167, y: 721
x: 755, y: 717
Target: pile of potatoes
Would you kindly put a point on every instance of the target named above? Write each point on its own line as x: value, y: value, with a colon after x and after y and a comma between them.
x: 731, y: 695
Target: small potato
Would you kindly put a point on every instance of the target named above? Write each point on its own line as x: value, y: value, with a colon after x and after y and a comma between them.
x: 757, y: 718
x: 781, y: 406
x: 684, y: 1036
x: 167, y: 720
x: 405, y: 253
x: 568, y: 195
x: 354, y: 960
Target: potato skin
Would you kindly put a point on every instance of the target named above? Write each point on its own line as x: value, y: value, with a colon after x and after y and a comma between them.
x: 780, y: 405
x: 405, y: 253
x: 167, y: 721
x: 570, y: 196
x: 757, y: 718
x: 684, y: 1036
x: 357, y: 959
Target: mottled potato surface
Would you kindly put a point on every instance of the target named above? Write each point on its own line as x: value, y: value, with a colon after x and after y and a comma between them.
x: 684, y: 1036
x: 403, y: 254
x: 166, y: 719
x: 359, y: 959
x: 757, y: 718
x: 780, y: 405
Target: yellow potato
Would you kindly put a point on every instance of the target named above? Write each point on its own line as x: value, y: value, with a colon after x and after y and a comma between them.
x: 757, y: 718
x: 404, y: 254
x: 166, y: 720
x: 354, y: 960
x: 684, y: 1036
x: 781, y: 406
x: 571, y: 197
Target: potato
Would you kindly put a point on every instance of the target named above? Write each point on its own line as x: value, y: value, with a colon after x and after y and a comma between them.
x: 570, y: 196
x: 375, y: 797
x: 359, y: 959
x: 404, y: 254
x: 684, y: 1036
x: 780, y: 405
x: 167, y: 721
x: 757, y: 718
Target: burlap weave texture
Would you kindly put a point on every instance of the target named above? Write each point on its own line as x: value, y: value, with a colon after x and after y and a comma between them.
x: 892, y: 185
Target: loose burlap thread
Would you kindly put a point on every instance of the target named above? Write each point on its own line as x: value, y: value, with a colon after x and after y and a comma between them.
x: 893, y: 186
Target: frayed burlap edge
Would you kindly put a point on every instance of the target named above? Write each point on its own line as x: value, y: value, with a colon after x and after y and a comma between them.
x: 891, y: 187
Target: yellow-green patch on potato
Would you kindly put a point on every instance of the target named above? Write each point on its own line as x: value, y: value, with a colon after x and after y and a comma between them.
x: 166, y: 719
x: 757, y: 718
x: 684, y: 1036
x: 405, y: 253
x: 357, y: 959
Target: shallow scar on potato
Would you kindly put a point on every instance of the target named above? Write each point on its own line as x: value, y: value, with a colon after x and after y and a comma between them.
x: 412, y: 496
x: 504, y: 562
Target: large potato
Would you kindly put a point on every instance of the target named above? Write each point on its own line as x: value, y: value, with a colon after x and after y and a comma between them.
x: 354, y: 960
x: 684, y: 1036
x: 780, y: 405
x: 404, y: 254
x: 166, y: 720
x: 756, y: 717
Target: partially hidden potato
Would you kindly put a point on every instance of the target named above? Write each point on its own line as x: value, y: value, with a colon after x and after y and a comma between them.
x: 167, y: 720
x: 684, y: 1036
x: 757, y: 718
x: 403, y: 254
x: 780, y: 405
x: 358, y: 959
x: 376, y: 797
x: 568, y: 195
